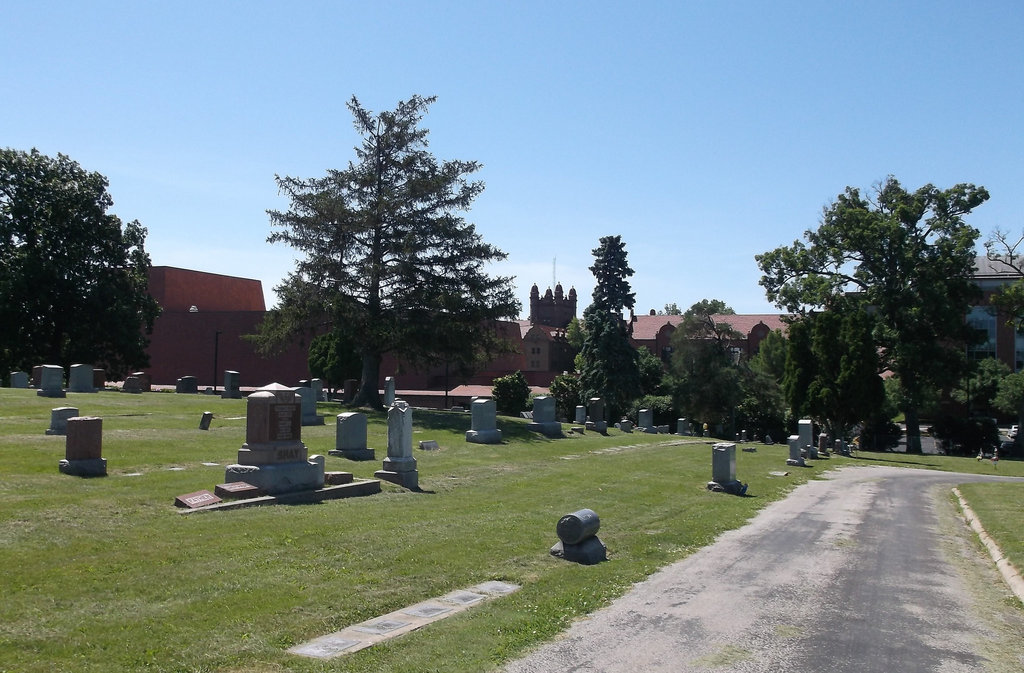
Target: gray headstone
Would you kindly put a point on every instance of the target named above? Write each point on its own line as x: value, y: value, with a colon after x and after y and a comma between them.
x: 723, y: 462
x: 204, y: 422
x: 59, y: 420
x: 19, y: 379
x: 645, y: 420
x: 80, y: 379
x: 232, y: 386
x: 544, y: 409
x: 581, y: 414
x: 795, y: 455
x: 484, y: 423
x: 132, y: 384
x: 805, y: 430
x: 682, y: 427
x: 389, y: 391
x: 400, y: 466
x: 51, y: 381
x: 350, y: 437
x: 187, y: 385
x: 309, y: 415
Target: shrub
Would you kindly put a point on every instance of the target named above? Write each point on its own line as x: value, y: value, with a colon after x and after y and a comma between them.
x: 661, y: 405
x: 511, y: 393
x: 565, y: 388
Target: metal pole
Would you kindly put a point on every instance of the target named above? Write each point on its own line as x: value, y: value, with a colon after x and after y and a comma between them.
x: 216, y: 345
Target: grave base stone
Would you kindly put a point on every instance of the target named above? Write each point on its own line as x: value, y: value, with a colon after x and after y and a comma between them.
x: 91, y: 467
x: 338, y: 478
x: 589, y: 552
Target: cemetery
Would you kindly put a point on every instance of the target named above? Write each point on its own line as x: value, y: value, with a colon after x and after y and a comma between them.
x: 104, y: 573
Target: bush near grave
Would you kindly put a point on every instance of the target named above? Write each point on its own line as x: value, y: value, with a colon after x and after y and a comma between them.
x: 511, y: 393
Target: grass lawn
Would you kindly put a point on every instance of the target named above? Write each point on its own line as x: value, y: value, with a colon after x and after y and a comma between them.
x: 105, y: 574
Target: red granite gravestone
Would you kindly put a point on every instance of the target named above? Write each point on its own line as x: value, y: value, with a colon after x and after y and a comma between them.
x: 84, y: 438
x: 196, y: 500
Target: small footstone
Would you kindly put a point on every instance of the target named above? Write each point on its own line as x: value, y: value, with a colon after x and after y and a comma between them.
x: 237, y: 490
x: 196, y: 500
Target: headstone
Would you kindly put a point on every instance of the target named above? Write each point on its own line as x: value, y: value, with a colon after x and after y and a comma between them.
x: 318, y: 389
x: 625, y: 425
x: 99, y: 378
x: 842, y: 448
x: 484, y: 424
x: 662, y: 429
x: 682, y: 427
x: 577, y: 538
x: 145, y: 381
x: 196, y: 500
x: 232, y: 385
x: 59, y: 420
x: 805, y: 429
x: 187, y: 385
x: 723, y: 469
x: 80, y: 379
x: 237, y: 490
x: 795, y: 455
x: 19, y: 379
x: 132, y: 384
x: 350, y: 437
x: 51, y: 381
x: 544, y: 417
x: 429, y: 445
x: 645, y: 421
x: 400, y: 466
x: 823, y: 445
x: 83, y: 449
x: 309, y: 415
x: 204, y: 422
x: 37, y: 375
x: 596, y: 413
x: 351, y: 386
x: 389, y: 391
x: 273, y: 457
x: 581, y: 414
x: 743, y: 435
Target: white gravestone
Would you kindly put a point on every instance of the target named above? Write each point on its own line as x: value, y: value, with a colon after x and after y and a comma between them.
x: 400, y: 466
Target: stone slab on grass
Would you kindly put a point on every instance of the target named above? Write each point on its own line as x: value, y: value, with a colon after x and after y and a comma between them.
x: 372, y: 631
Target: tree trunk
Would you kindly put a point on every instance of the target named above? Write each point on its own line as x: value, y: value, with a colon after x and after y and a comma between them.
x: 913, y: 430
x: 368, y: 394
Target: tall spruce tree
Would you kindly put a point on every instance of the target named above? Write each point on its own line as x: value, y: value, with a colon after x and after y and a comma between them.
x: 610, y: 369
x: 909, y: 256
x: 388, y: 259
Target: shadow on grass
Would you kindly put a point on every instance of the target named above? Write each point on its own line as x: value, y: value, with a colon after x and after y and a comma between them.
x: 894, y: 462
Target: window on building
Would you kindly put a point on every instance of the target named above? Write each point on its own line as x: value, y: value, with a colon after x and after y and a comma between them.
x: 983, y: 319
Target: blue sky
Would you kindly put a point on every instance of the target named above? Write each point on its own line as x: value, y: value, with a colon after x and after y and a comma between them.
x: 702, y: 132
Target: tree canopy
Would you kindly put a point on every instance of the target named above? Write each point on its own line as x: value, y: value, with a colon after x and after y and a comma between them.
x: 388, y: 258
x: 908, y: 257
x: 609, y: 362
x: 73, y: 277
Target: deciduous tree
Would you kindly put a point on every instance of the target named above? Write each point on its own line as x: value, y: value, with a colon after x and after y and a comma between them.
x: 387, y: 254
x: 909, y: 257
x: 73, y: 277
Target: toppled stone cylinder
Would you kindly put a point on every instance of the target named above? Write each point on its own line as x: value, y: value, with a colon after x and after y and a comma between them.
x: 577, y: 538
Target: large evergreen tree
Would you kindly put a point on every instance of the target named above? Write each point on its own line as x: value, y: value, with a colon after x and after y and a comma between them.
x: 609, y: 361
x: 910, y: 257
x: 73, y: 277
x: 388, y: 259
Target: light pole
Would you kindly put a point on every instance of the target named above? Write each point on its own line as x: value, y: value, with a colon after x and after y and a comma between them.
x: 216, y: 345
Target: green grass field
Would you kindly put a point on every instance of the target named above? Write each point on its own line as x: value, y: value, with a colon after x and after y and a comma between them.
x: 105, y: 574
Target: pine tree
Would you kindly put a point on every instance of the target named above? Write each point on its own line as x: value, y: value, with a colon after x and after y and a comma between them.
x: 610, y: 369
x: 388, y: 257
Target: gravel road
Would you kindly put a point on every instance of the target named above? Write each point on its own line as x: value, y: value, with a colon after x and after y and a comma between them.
x: 869, y: 570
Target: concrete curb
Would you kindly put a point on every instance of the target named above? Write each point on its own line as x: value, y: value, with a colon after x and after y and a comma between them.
x: 1010, y: 574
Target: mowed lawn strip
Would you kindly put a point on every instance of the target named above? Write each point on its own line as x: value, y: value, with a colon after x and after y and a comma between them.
x: 105, y: 575
x: 1000, y: 508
